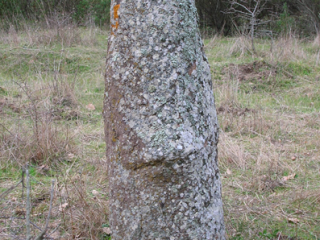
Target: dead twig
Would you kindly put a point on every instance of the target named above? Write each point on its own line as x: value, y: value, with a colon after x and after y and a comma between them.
x: 28, y: 205
x: 10, y: 189
x: 41, y: 235
x: 10, y: 132
x: 35, y: 225
x: 22, y: 181
x: 54, y: 230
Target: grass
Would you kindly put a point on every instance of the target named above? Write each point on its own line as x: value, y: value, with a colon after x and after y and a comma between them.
x: 268, y: 107
x: 44, y: 98
x: 269, y: 123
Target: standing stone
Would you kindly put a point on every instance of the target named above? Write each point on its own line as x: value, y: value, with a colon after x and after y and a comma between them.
x: 160, y: 125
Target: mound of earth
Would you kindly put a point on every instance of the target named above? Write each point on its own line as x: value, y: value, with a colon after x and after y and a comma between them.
x: 258, y: 71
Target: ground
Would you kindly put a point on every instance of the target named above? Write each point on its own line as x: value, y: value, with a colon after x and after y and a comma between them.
x: 51, y: 93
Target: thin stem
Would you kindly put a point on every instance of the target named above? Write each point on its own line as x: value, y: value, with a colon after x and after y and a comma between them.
x: 41, y: 235
x: 10, y: 189
x: 28, y: 207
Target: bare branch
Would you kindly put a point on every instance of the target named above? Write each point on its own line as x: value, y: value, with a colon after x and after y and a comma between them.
x: 250, y: 14
x: 241, y: 5
x: 256, y: 7
x: 10, y: 132
x: 35, y: 225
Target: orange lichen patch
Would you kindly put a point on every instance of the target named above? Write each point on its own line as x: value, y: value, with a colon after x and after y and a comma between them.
x: 115, y: 11
x: 115, y: 25
x: 115, y: 16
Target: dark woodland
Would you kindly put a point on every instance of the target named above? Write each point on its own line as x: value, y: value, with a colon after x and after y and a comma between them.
x: 225, y: 17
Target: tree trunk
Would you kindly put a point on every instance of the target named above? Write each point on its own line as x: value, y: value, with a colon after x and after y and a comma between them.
x: 160, y: 125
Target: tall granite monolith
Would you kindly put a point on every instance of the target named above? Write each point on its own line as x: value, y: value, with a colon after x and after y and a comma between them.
x: 160, y: 125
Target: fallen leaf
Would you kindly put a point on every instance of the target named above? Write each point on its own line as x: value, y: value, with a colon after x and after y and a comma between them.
x: 55, y: 235
x: 63, y: 207
x: 20, y: 211
x: 106, y: 230
x: 55, y: 224
x: 95, y: 192
x: 299, y: 212
x: 44, y: 168
x: 290, y: 177
x: 90, y: 107
x: 71, y: 155
x: 293, y: 220
x: 229, y: 172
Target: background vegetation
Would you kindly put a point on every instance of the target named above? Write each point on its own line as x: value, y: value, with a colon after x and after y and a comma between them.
x: 52, y: 64
x: 224, y: 17
x: 79, y: 11
x: 216, y: 16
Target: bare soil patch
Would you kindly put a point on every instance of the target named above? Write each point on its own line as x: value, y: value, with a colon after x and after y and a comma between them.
x: 258, y: 70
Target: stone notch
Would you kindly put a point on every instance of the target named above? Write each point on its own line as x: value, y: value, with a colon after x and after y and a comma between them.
x: 160, y: 125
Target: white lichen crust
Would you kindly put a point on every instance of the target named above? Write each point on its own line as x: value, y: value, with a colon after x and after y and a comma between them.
x: 160, y: 125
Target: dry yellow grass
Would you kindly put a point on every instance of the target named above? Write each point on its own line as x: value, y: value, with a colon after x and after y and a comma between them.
x: 269, y: 139
x: 269, y: 129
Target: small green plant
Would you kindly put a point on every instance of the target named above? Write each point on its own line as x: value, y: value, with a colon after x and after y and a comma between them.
x: 268, y: 235
x: 105, y: 235
x: 237, y: 237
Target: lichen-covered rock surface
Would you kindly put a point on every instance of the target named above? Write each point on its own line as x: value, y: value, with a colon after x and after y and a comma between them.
x: 160, y: 125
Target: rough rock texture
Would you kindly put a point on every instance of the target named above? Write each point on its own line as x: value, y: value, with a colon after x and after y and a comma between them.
x: 160, y: 125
